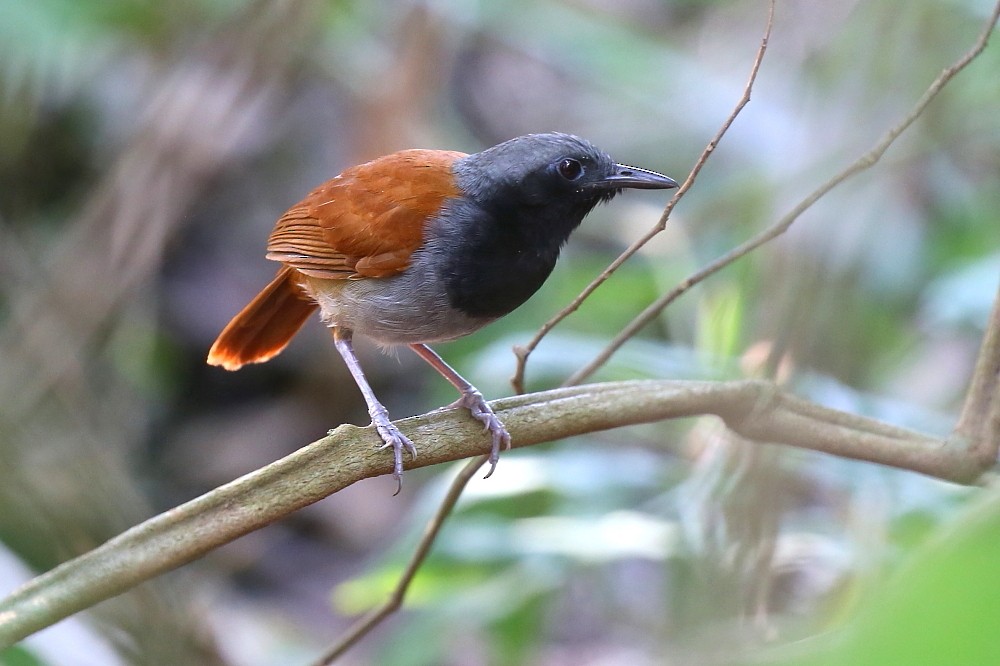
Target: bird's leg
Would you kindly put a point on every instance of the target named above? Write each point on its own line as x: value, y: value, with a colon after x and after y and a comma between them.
x: 380, y: 416
x: 472, y: 400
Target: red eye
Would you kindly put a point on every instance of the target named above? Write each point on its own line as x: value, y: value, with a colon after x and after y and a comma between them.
x: 570, y: 169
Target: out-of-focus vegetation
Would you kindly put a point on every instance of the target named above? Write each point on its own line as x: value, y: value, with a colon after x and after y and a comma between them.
x: 147, y: 147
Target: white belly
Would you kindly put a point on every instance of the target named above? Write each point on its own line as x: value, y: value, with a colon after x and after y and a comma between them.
x: 407, y: 308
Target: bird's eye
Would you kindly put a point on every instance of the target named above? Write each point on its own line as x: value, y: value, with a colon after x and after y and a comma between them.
x: 570, y: 169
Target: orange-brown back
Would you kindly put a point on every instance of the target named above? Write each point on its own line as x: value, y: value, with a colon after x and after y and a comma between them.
x: 367, y: 221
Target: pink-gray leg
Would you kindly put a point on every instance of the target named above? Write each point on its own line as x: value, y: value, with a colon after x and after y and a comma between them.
x: 389, y: 433
x: 472, y: 400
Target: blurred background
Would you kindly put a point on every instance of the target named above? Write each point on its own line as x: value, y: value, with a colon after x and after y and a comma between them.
x: 146, y: 149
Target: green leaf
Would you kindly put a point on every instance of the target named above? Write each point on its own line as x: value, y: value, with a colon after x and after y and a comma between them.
x: 720, y: 323
x: 942, y: 606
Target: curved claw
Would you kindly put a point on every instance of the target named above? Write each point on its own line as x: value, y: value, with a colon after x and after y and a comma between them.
x: 473, y: 401
x: 392, y: 437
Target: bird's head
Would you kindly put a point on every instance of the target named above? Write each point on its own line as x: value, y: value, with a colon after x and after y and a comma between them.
x: 562, y: 173
x: 520, y: 201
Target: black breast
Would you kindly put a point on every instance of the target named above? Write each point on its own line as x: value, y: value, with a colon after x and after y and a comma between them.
x: 493, y: 261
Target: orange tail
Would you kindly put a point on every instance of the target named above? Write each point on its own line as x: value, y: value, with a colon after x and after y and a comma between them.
x: 264, y: 327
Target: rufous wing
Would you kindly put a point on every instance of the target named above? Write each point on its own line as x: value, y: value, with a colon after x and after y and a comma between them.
x: 264, y: 327
x: 365, y: 223
x: 369, y: 220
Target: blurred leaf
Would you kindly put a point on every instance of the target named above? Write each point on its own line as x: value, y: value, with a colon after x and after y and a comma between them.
x: 944, y: 606
x: 435, y: 582
x: 941, y: 607
x: 18, y: 656
x: 720, y: 324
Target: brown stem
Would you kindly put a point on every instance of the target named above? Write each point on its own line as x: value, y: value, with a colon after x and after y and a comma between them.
x: 522, y: 352
x: 979, y: 424
x: 364, y: 626
x: 781, y: 226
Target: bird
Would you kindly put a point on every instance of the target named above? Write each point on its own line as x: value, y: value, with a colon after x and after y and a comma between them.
x: 423, y: 246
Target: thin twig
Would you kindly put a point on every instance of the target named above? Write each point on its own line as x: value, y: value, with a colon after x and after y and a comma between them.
x: 522, y: 352
x: 862, y: 163
x: 375, y: 617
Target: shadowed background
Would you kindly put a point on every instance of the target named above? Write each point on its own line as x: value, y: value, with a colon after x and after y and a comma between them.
x: 147, y: 148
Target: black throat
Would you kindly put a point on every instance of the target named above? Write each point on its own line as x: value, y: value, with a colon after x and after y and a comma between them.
x: 497, y: 256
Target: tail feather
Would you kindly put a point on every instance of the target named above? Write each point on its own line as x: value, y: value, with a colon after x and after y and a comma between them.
x: 264, y: 327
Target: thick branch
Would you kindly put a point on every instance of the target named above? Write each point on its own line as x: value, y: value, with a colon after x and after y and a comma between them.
x: 754, y: 409
x: 979, y: 425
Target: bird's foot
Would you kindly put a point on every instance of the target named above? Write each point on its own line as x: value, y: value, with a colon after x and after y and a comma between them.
x: 473, y: 401
x: 392, y: 437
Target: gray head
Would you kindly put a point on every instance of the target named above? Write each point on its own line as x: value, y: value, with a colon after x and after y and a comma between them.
x: 552, y: 169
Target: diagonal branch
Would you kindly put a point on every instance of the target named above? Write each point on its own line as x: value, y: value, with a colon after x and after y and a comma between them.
x: 754, y: 409
x: 781, y: 226
x: 522, y: 352
x: 371, y: 620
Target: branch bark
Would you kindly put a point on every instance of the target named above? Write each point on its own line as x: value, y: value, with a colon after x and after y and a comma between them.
x: 978, y: 428
x: 756, y: 410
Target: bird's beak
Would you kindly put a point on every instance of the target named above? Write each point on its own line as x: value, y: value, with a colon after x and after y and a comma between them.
x: 635, y: 178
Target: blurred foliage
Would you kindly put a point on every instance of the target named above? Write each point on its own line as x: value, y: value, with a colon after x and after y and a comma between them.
x: 146, y: 148
x: 936, y: 609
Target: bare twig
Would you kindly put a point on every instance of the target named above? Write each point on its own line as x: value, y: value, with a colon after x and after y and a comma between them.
x: 522, y: 352
x: 364, y: 626
x: 781, y: 226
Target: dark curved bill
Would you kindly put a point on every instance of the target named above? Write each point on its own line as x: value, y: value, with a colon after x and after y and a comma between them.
x: 626, y: 176
x: 639, y: 179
